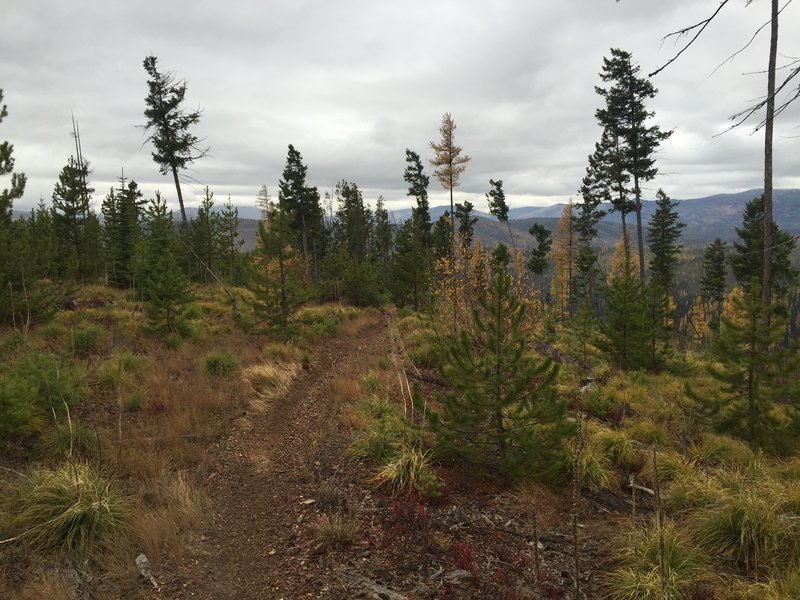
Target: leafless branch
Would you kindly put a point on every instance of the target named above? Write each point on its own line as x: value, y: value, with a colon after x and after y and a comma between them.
x: 697, y: 28
x: 747, y: 45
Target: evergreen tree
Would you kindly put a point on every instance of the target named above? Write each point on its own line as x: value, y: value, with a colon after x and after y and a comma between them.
x: 206, y: 240
x: 353, y: 225
x: 466, y: 223
x: 18, y: 180
x: 168, y: 126
x: 418, y: 188
x: 9, y: 238
x: 279, y: 276
x: 442, y: 239
x: 382, y: 238
x: 625, y: 115
x: 499, y: 208
x: 449, y: 164
x: 586, y: 219
x: 410, y: 266
x: 663, y: 233
x: 754, y: 369
x: 231, y: 242
x: 166, y: 290
x: 303, y: 205
x: 712, y: 283
x: 40, y: 242
x: 537, y: 261
x: 122, y: 214
x: 747, y: 259
x: 76, y: 225
x: 626, y: 333
x: 563, y: 255
x: 503, y: 407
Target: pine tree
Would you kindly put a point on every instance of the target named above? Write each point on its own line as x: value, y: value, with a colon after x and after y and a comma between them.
x: 753, y: 369
x: 564, y: 255
x: 663, y: 233
x: 418, y: 188
x: 410, y: 265
x: 625, y: 115
x: 498, y: 207
x: 503, y: 407
x: 122, y: 215
x: 76, y: 225
x: 206, y: 240
x: 168, y: 126
x: 596, y: 188
x: 537, y: 261
x: 166, y: 290
x: 231, y: 241
x: 382, y: 241
x: 449, y: 164
x: 353, y: 226
x: 302, y: 203
x: 279, y: 275
x: 712, y: 283
x: 466, y: 223
x: 625, y: 331
x: 441, y: 238
x: 18, y: 180
x: 747, y: 258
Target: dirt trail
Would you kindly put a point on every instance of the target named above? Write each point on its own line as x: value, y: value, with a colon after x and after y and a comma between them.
x: 268, y: 470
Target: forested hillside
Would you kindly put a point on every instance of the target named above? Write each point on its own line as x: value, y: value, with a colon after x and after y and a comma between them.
x: 331, y: 402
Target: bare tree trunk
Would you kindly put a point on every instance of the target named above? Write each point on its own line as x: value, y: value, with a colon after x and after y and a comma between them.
x: 180, y: 195
x: 768, y: 130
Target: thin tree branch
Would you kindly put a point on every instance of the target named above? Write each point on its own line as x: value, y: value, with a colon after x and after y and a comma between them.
x: 699, y: 26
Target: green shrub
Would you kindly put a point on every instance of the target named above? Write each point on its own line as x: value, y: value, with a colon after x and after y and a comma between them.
x: 370, y: 382
x: 71, y: 440
x: 380, y: 440
x: 219, y: 364
x: 20, y: 414
x: 70, y: 509
x: 135, y: 401
x: 56, y: 382
x: 86, y: 340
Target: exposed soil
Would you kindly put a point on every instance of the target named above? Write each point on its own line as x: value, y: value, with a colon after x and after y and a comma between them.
x: 279, y: 470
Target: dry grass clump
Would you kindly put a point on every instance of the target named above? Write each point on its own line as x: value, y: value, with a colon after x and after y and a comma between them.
x: 336, y: 529
x: 619, y: 449
x: 638, y: 574
x: 70, y: 509
x: 750, y: 525
x: 715, y: 450
x: 407, y: 470
x: 270, y: 379
x: 45, y: 586
x: 170, y: 507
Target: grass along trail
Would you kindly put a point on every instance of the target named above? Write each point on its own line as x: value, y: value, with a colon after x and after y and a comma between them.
x: 261, y: 542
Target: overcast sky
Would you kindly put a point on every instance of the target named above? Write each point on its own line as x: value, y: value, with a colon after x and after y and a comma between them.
x: 354, y: 83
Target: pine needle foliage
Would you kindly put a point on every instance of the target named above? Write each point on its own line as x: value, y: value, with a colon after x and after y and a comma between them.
x: 503, y: 410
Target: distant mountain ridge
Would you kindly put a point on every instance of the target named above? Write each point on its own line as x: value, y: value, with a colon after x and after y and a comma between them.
x: 705, y: 218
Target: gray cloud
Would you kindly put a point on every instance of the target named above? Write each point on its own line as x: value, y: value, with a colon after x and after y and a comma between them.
x: 353, y: 84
